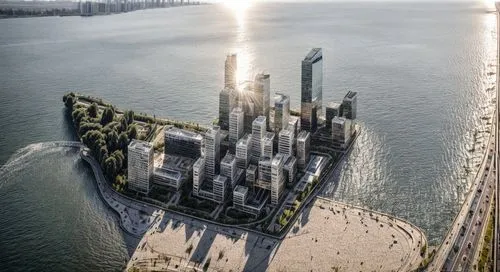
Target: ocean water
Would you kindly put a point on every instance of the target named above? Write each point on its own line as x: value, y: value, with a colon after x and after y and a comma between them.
x: 423, y: 71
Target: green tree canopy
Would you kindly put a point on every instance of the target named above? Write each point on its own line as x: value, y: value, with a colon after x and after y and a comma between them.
x: 120, y: 159
x: 129, y: 117
x: 112, y: 140
x: 107, y: 116
x: 110, y: 167
x: 123, y: 124
x: 123, y: 141
x: 93, y: 110
x: 70, y: 102
x: 132, y: 132
x: 85, y: 127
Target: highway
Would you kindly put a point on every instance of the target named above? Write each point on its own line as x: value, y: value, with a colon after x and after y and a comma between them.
x: 496, y: 240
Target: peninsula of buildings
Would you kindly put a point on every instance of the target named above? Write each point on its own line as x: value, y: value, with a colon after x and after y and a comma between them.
x: 246, y: 186
x: 256, y: 167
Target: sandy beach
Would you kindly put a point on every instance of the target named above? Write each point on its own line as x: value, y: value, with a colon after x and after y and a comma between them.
x: 328, y: 236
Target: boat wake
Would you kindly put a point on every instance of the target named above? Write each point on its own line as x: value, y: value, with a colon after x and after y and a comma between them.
x: 24, y: 156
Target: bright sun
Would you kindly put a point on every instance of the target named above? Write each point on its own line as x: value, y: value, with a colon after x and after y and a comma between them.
x: 237, y: 5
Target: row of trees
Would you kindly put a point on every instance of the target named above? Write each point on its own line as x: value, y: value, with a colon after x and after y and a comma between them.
x: 106, y: 135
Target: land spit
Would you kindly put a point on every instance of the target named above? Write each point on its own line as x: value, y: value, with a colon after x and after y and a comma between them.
x: 327, y: 236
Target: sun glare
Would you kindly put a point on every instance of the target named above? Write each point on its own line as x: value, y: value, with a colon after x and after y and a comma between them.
x: 237, y: 5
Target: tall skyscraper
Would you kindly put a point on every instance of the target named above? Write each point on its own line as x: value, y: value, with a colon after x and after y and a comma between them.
x: 349, y: 105
x: 228, y: 100
x: 303, y: 148
x: 230, y: 72
x: 243, y: 150
x: 281, y: 112
x: 285, y: 142
x: 312, y: 90
x: 277, y: 178
x: 235, y: 126
x: 212, y: 152
x: 262, y: 93
x: 198, y: 175
x: 140, y: 165
x: 258, y: 132
x: 332, y: 110
x: 267, y: 145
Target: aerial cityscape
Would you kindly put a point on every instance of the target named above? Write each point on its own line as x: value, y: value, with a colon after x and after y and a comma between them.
x: 249, y: 136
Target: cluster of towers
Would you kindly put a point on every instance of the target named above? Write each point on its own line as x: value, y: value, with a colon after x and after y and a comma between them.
x: 90, y: 8
x: 254, y: 152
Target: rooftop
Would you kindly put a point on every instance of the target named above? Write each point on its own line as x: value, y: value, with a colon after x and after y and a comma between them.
x: 199, y: 162
x: 350, y: 95
x: 289, y: 160
x: 140, y: 145
x: 314, y: 54
x: 183, y: 133
x: 286, y: 132
x: 228, y: 159
x: 241, y: 189
x: 168, y: 173
x: 260, y: 119
x: 333, y: 105
x: 268, y: 136
x: 252, y: 167
x: 245, y: 140
x: 339, y: 120
x: 303, y: 135
x: 278, y: 159
x: 281, y: 98
x: 220, y: 179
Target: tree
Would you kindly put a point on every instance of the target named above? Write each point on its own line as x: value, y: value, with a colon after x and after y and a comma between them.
x: 85, y: 127
x: 107, y: 116
x: 132, y: 132
x: 92, y: 110
x: 123, y: 124
x: 103, y: 153
x: 110, y: 167
x: 78, y: 115
x: 120, y: 159
x: 70, y: 102
x: 129, y: 116
x: 112, y: 140
x: 123, y: 141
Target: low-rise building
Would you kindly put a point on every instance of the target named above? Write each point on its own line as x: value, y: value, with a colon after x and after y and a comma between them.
x: 183, y: 143
x: 168, y: 177
x: 220, y: 188
x: 140, y: 166
x: 349, y: 105
x: 242, y: 201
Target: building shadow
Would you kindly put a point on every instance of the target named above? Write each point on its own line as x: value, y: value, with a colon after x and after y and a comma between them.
x: 260, y: 252
x: 190, y: 228
x: 204, y: 244
x: 68, y: 127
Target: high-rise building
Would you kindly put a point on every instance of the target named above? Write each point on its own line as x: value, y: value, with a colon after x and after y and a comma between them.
x: 341, y: 132
x: 228, y: 99
x: 312, y: 90
x: 235, y: 125
x: 277, y: 178
x: 349, y: 105
x: 290, y: 168
x: 294, y: 125
x: 332, y: 110
x: 281, y: 112
x: 231, y: 71
x: 251, y: 175
x: 140, y: 165
x: 240, y: 196
x: 212, y: 152
x: 265, y: 170
x: 198, y: 175
x: 285, y: 143
x: 247, y: 100
x: 243, y: 150
x: 183, y: 143
x: 220, y: 188
x: 267, y: 145
x: 228, y: 167
x: 262, y: 93
x: 258, y: 132
x: 303, y: 148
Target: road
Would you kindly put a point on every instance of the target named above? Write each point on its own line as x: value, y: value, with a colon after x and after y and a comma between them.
x: 461, y: 258
x: 496, y: 240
